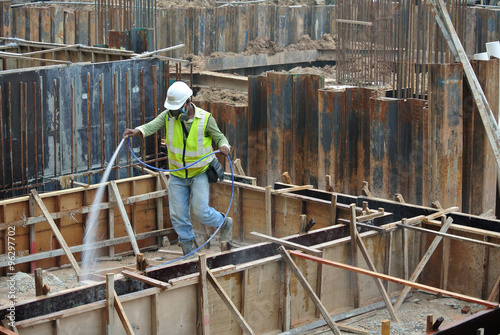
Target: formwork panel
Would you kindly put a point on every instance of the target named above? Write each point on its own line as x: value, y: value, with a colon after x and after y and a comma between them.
x: 286, y: 215
x: 337, y: 294
x: 221, y: 318
x: 262, y: 301
x: 178, y: 310
x: 302, y: 308
x: 91, y: 322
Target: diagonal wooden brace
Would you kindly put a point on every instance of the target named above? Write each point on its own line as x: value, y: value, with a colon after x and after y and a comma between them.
x: 57, y: 233
x: 123, y: 212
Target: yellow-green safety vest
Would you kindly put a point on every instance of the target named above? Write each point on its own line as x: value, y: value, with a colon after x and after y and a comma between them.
x: 197, y: 145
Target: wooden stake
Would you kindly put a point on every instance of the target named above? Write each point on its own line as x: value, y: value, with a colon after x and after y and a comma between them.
x: 294, y: 245
x: 141, y: 262
x: 354, y: 255
x: 302, y: 224
x: 395, y: 279
x: 386, y: 327
x: 429, y: 323
x: 123, y: 212
x: 286, y: 178
x: 333, y: 210
x: 366, y: 189
x: 232, y: 308
x: 57, y: 233
x: 238, y: 167
x: 423, y: 262
x: 155, y: 315
x: 110, y: 303
x: 38, y: 282
x: 303, y: 281
x: 205, y: 319
x: 269, y: 211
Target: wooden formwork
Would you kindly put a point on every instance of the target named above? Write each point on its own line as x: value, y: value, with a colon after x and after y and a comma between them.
x: 255, y: 278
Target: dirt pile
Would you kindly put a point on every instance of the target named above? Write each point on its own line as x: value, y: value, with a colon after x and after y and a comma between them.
x: 216, y: 94
x: 262, y: 45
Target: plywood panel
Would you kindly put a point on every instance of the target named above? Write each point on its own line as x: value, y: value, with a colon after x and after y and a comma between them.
x: 263, y: 296
x: 221, y: 319
x: 302, y: 308
x: 336, y: 293
x: 178, y: 318
x: 86, y: 323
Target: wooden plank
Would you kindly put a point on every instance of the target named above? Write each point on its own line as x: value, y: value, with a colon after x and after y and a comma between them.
x: 227, y: 300
x: 203, y: 288
x: 396, y: 280
x: 121, y: 314
x: 79, y: 248
x: 288, y: 244
x: 150, y: 281
x: 110, y: 303
x: 450, y: 236
x: 57, y: 233
x: 422, y: 263
x: 303, y: 281
x: 292, y: 189
x: 124, y: 215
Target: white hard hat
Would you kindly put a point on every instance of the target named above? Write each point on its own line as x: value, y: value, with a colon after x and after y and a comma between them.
x: 177, y: 95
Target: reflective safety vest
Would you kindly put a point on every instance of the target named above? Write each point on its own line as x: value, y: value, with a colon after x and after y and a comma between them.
x: 197, y: 145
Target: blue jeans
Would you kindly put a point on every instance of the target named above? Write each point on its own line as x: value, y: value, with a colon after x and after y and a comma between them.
x: 195, y: 191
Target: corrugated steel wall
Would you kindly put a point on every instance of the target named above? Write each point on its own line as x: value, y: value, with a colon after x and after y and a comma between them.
x: 57, y: 121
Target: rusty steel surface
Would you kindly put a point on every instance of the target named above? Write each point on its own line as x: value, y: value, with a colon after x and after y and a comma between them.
x: 445, y: 108
x: 56, y: 121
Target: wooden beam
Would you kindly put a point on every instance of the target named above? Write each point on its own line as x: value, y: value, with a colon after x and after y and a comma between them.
x: 155, y: 315
x: 123, y: 212
x: 423, y: 262
x: 451, y: 236
x: 5, y: 331
x: 227, y: 300
x: 396, y: 280
x: 292, y: 189
x: 110, y: 303
x: 303, y: 281
x: 294, y: 245
x: 57, y: 233
x: 150, y: 281
x: 203, y: 289
x: 121, y: 314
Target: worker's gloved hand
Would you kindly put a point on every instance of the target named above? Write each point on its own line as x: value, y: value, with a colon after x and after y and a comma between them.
x: 225, y: 150
x: 132, y: 133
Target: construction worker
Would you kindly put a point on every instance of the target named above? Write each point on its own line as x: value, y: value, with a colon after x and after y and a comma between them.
x: 190, y: 131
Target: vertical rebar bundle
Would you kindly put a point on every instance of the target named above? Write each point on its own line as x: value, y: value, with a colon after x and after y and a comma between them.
x: 390, y: 43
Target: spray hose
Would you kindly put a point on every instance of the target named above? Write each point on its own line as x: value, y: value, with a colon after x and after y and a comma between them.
x: 185, y: 167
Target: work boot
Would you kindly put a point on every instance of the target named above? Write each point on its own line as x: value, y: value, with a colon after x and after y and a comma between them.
x: 226, y: 231
x: 187, y: 247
